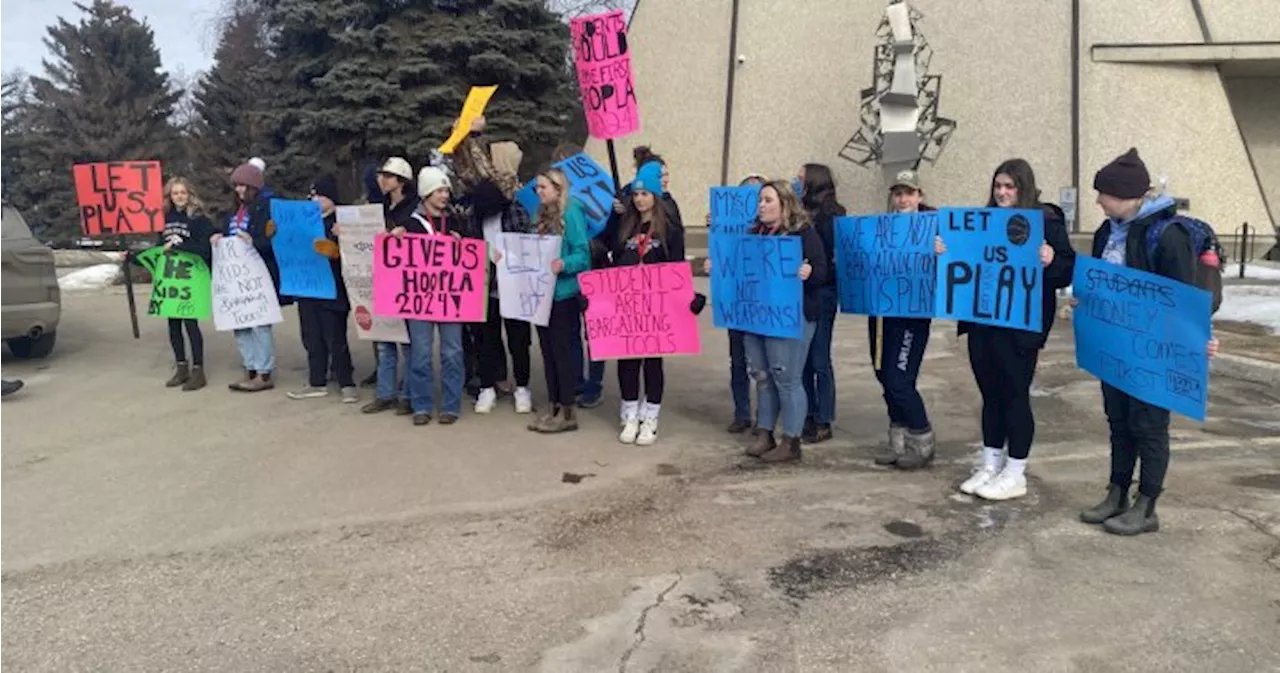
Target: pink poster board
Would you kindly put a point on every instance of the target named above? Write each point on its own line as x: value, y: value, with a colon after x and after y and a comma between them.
x: 603, y: 63
x: 435, y: 278
x: 640, y: 311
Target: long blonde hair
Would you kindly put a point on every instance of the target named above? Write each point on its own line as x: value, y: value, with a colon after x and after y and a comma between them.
x: 794, y: 217
x: 194, y: 204
x: 551, y: 215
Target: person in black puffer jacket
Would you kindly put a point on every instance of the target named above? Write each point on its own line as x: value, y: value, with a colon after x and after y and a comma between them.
x: 186, y: 228
x: 818, y: 197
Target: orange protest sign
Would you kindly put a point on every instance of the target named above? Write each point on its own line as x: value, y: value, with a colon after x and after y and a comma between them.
x: 120, y: 197
x: 473, y: 108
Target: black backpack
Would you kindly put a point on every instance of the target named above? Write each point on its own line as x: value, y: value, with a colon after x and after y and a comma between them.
x: 1208, y: 252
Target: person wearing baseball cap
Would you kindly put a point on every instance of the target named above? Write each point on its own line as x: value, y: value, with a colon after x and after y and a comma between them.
x: 399, y: 202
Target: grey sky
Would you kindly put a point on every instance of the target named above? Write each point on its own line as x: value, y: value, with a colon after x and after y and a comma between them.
x: 181, y: 27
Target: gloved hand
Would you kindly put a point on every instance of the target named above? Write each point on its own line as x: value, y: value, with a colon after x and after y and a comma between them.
x: 271, y: 228
x: 699, y: 302
x: 326, y: 247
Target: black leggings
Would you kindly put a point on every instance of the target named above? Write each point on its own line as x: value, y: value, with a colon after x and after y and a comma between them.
x: 193, y: 333
x: 629, y: 379
x: 560, y: 355
x: 493, y: 356
x: 1004, y: 370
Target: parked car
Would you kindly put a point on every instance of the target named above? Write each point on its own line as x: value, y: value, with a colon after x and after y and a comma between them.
x: 30, y: 301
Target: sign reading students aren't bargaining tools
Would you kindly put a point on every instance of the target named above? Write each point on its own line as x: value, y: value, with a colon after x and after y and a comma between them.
x: 885, y: 264
x: 472, y: 109
x: 755, y: 286
x: 243, y: 294
x: 303, y: 271
x: 1144, y: 334
x: 358, y: 226
x: 640, y: 311
x: 120, y: 197
x: 603, y: 63
x: 428, y: 277
x: 991, y: 272
x: 526, y: 285
x: 589, y: 183
x: 733, y: 209
x: 179, y: 284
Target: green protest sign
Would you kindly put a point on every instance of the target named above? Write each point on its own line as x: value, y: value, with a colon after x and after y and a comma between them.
x: 180, y: 284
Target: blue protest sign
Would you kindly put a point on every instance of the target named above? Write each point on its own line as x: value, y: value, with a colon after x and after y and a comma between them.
x: 754, y: 284
x: 885, y: 264
x: 589, y: 183
x: 733, y: 209
x: 991, y: 272
x: 303, y: 271
x: 1144, y: 334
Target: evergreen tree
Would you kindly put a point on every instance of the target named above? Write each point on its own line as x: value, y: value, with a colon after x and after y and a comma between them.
x: 103, y: 97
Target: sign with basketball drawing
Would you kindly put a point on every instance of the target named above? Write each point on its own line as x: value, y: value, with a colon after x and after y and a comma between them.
x: 991, y: 272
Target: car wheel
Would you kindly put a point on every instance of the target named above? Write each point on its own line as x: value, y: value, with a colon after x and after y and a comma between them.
x: 26, y: 347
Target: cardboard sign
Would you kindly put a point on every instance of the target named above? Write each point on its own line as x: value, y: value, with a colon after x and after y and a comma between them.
x: 472, y: 109
x: 120, y: 197
x: 243, y: 295
x: 303, y: 271
x: 733, y: 209
x: 1144, y: 334
x: 754, y: 284
x: 885, y: 264
x: 640, y: 311
x: 179, y: 284
x: 526, y: 286
x: 604, y: 74
x: 433, y: 278
x: 358, y: 226
x: 991, y: 272
x: 589, y: 183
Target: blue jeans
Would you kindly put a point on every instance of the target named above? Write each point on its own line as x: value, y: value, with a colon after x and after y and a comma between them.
x: 739, y: 382
x: 421, y: 379
x: 776, y: 365
x: 257, y: 349
x: 389, y: 369
x: 819, y: 378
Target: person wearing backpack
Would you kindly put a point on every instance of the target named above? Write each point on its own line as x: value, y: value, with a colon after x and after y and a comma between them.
x: 1146, y: 234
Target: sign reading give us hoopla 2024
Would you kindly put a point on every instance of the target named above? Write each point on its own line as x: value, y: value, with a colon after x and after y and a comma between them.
x: 604, y: 74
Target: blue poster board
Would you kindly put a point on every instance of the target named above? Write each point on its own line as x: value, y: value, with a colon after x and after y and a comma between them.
x: 303, y: 271
x: 589, y: 183
x: 733, y: 209
x: 991, y: 272
x: 754, y: 284
x: 1144, y: 334
x: 885, y: 264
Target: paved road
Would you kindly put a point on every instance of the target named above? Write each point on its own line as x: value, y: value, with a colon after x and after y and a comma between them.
x: 148, y: 529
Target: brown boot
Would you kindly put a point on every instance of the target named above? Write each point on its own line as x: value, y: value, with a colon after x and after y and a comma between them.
x: 196, y: 381
x: 242, y: 384
x: 764, y: 444
x: 787, y: 451
x: 180, y: 376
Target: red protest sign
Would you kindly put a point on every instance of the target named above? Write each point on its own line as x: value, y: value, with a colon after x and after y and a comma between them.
x: 604, y: 74
x: 120, y: 197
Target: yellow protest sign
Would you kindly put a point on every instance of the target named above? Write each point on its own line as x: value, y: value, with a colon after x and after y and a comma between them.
x: 477, y: 100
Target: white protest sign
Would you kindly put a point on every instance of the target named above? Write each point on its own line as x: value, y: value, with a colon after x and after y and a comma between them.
x: 357, y: 225
x: 243, y: 295
x: 526, y: 286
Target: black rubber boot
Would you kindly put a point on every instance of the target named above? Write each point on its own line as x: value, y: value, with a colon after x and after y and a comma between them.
x: 1141, y: 518
x: 1116, y: 503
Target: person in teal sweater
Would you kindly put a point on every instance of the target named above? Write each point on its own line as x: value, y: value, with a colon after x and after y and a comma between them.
x: 560, y: 340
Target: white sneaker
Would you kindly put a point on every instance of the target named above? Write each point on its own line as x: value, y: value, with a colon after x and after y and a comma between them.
x: 350, y: 395
x: 524, y: 401
x: 648, y: 432
x: 980, y: 476
x: 485, y: 401
x: 308, y: 393
x: 630, y: 428
x: 1004, y: 486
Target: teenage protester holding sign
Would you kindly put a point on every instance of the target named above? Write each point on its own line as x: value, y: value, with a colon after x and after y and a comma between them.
x: 252, y: 222
x: 818, y: 196
x: 324, y: 321
x: 1139, y: 234
x: 399, y: 202
x: 561, y: 339
x: 897, y: 350
x: 1004, y: 359
x: 186, y: 228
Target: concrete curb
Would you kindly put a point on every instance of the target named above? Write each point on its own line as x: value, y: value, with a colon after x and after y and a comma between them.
x: 1247, y: 369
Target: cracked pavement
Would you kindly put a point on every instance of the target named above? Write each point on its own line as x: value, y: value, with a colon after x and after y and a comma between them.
x: 212, y: 532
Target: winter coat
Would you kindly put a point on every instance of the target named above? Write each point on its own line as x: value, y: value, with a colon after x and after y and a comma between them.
x: 341, y: 302
x: 575, y: 252
x: 402, y: 213
x: 603, y: 243
x: 1173, y: 256
x: 641, y: 248
x: 189, y: 233
x: 812, y: 250
x: 257, y: 222
x: 824, y: 222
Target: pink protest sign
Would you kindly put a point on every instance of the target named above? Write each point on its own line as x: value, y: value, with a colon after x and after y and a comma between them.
x: 640, y: 311
x: 435, y: 278
x: 604, y: 74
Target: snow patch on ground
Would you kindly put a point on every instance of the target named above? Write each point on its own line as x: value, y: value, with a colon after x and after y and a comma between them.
x: 91, y: 278
x: 1255, y: 271
x: 1258, y: 304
